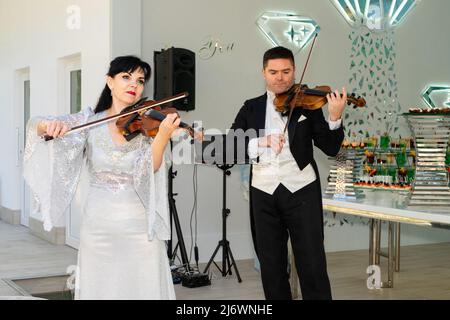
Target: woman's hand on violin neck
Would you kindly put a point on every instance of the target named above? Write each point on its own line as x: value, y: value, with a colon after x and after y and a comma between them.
x: 53, y: 128
x: 169, y: 126
x: 336, y: 104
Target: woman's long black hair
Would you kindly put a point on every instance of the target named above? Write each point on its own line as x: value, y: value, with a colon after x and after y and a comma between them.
x: 118, y: 65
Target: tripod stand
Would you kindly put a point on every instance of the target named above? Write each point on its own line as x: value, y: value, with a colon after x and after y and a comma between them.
x: 227, y: 256
x: 174, y: 215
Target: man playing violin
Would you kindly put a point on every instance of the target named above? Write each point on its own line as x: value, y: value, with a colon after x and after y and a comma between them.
x: 285, y: 192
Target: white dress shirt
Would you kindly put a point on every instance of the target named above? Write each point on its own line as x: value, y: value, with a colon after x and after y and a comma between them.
x: 273, y: 169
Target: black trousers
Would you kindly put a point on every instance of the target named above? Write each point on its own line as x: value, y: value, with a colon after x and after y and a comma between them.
x: 298, y: 216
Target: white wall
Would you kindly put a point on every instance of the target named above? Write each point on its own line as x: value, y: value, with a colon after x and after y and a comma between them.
x: 224, y: 82
x: 126, y: 27
x: 34, y: 34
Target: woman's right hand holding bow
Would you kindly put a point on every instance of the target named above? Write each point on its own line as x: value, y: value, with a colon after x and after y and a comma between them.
x: 52, y: 128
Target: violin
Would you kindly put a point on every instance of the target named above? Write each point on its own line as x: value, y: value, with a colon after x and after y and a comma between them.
x: 143, y: 109
x: 147, y: 123
x: 301, y: 96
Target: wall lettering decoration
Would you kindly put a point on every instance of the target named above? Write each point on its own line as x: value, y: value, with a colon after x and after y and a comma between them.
x: 212, y: 46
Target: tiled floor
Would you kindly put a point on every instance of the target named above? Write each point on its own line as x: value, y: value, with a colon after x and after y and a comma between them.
x: 425, y: 271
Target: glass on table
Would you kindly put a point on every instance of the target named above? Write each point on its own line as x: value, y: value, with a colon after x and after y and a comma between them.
x: 370, y: 156
x: 375, y: 141
x: 402, y: 143
x: 369, y: 143
x: 402, y: 174
x: 411, y: 173
x: 400, y: 157
x: 383, y: 171
x: 393, y: 173
x: 384, y: 141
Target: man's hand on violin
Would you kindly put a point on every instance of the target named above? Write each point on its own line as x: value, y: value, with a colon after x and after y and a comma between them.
x: 336, y: 104
x: 53, y: 128
x: 169, y: 126
x: 273, y: 141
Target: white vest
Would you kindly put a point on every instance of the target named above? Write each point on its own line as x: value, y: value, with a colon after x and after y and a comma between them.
x: 272, y: 169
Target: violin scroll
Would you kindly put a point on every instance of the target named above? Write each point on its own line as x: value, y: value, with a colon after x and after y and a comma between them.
x: 358, y: 102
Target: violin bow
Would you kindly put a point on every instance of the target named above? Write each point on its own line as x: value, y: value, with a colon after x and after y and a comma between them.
x: 293, y: 98
x: 138, y: 106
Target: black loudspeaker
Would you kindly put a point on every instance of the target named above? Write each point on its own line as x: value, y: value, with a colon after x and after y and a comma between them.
x: 174, y: 74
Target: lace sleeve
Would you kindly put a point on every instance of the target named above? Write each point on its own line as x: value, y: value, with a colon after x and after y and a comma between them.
x: 152, y: 190
x: 52, y: 168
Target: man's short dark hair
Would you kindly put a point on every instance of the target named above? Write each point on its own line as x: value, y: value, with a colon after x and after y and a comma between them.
x: 278, y: 53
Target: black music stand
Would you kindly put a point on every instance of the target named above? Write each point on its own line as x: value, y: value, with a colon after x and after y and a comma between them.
x: 222, y: 150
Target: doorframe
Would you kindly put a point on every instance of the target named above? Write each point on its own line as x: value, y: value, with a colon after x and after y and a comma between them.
x: 22, y: 75
x: 66, y: 66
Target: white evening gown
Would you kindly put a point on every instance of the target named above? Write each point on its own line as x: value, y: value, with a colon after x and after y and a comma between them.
x: 122, y: 252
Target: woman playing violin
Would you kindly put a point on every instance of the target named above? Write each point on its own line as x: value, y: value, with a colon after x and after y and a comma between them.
x: 125, y: 219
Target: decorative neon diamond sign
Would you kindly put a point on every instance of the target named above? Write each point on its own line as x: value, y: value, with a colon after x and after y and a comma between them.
x: 375, y: 14
x: 441, y: 91
x: 287, y: 30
